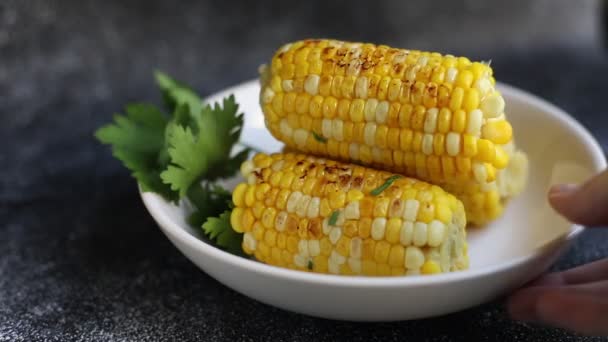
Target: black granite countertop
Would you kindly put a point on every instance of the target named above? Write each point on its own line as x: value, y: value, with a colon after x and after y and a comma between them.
x: 81, y: 259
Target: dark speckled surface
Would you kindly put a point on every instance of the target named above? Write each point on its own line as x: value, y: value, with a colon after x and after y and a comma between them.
x: 80, y: 258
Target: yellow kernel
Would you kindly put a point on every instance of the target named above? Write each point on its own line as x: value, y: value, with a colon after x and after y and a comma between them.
x: 396, y: 256
x: 381, y: 135
x: 368, y: 249
x: 258, y: 230
x: 502, y: 158
x: 292, y: 244
x: 485, y: 151
x: 343, y: 246
x: 499, y: 132
x: 325, y: 246
x: 257, y: 209
x: 405, y: 139
x: 380, y: 207
x: 354, y: 195
x: 426, y: 212
x: 471, y: 100
x: 430, y: 267
x: 268, y: 216
x: 368, y: 268
x: 330, y: 104
x: 393, y: 229
x: 250, y: 196
x: 365, y: 227
x: 459, y: 120
x: 337, y: 199
x: 238, y: 195
x: 464, y: 79
x: 405, y: 115
x: 270, y: 237
x: 236, y: 220
x: 443, y: 213
x: 418, y: 118
x: 381, y: 252
x: 469, y: 145
x: 456, y: 99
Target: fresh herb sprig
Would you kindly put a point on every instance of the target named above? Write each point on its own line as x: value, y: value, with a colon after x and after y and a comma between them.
x: 181, y: 152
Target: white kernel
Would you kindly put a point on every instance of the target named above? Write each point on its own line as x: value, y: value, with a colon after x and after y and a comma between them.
x: 370, y: 110
x: 267, y: 95
x: 302, y: 206
x: 492, y: 106
x: 332, y: 267
x: 411, y: 73
x: 407, y: 233
x: 311, y: 85
x: 303, y: 248
x: 314, y: 247
x: 286, y: 130
x: 420, y: 234
x: 300, y: 136
x: 326, y: 226
x: 361, y: 87
x: 334, y: 235
x: 313, y: 207
x: 382, y: 112
x: 287, y: 85
x: 452, y: 144
x: 427, y: 144
x: 451, y: 75
x: 338, y: 129
x: 412, y: 272
x: 355, y: 265
x: 326, y: 128
x: 483, y: 85
x: 252, y: 179
x: 247, y: 167
x: 278, y: 165
x: 353, y: 151
x: 337, y: 258
x: 411, y: 210
x: 351, y: 212
x: 300, y: 261
x: 356, y: 245
x: 399, y: 58
x: 249, y: 241
x: 369, y: 133
x: 480, y: 172
x: 292, y: 201
x: 423, y: 60
x: 279, y: 222
x: 436, y: 230
x: 474, y: 122
x: 430, y: 120
x: 378, y: 228
x: 414, y: 258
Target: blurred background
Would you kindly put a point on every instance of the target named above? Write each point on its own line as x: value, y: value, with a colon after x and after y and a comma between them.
x: 75, y: 251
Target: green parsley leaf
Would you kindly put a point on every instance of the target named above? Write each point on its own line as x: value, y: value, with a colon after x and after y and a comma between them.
x: 209, y: 200
x: 137, y: 139
x: 218, y: 229
x: 176, y: 93
x: 319, y: 137
x: 377, y: 191
x: 202, y: 150
x: 333, y: 218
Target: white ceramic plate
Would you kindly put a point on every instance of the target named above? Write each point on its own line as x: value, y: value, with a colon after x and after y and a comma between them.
x: 504, y: 255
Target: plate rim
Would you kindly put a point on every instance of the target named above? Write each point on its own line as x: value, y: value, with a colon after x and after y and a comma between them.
x: 170, y: 227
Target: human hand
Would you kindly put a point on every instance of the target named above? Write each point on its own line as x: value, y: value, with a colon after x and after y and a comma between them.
x: 575, y: 299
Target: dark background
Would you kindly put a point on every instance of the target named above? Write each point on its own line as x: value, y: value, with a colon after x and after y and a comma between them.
x: 80, y: 258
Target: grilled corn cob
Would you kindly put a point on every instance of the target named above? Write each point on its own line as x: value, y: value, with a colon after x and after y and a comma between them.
x: 319, y: 215
x: 433, y: 117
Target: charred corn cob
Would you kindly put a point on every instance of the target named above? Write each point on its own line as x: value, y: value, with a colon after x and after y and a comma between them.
x: 318, y: 215
x: 433, y: 117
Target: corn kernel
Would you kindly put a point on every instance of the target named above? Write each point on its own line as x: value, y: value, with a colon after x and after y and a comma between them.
x: 430, y: 267
x: 393, y: 230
